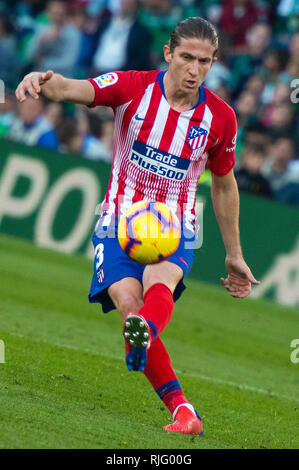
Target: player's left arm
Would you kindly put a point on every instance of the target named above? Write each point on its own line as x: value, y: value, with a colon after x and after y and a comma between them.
x: 225, y: 197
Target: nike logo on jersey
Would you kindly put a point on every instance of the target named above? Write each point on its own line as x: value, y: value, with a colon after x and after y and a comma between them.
x: 138, y: 118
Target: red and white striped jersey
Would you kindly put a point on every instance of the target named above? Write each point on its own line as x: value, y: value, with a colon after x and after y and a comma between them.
x: 159, y: 153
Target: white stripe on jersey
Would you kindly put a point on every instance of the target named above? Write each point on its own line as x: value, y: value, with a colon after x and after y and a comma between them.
x: 205, y: 124
x: 133, y: 130
x: 157, y: 130
x: 196, y: 169
x: 176, y: 148
x: 179, y: 137
x: 119, y: 114
x: 154, y: 140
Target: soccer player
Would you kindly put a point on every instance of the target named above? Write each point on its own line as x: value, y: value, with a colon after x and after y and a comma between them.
x: 168, y: 126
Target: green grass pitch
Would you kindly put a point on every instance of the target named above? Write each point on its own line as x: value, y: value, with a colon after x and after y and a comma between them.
x: 64, y: 383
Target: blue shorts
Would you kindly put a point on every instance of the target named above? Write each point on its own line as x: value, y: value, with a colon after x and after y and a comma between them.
x: 111, y: 265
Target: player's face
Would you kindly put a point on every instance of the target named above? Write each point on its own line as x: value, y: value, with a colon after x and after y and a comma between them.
x: 190, y: 62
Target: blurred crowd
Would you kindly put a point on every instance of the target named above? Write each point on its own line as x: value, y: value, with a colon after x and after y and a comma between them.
x: 257, y: 73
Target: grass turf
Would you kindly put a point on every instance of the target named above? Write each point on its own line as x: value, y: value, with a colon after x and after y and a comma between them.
x: 65, y: 384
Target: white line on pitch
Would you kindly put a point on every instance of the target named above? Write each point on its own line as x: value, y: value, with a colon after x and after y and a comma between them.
x: 249, y: 388
x: 229, y: 383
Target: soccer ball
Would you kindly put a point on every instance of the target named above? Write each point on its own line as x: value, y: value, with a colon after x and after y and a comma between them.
x: 149, y: 232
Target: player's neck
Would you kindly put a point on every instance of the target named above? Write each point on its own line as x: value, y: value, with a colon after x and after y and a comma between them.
x: 178, y: 99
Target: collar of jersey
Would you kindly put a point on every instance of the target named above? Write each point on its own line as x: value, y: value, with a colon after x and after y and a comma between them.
x: 202, y: 93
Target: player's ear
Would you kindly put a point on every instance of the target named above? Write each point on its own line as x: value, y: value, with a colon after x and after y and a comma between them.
x: 213, y: 61
x: 167, y: 53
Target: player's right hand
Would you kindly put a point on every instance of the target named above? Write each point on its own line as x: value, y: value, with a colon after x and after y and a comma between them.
x: 31, y: 84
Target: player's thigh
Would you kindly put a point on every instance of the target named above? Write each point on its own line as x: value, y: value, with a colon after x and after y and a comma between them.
x: 164, y: 272
x: 127, y: 295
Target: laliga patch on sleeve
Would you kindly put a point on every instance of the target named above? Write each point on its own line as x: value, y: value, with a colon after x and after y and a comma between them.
x: 106, y: 79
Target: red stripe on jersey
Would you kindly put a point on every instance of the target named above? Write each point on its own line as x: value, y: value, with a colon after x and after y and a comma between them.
x: 185, y: 188
x: 169, y: 130
x: 126, y: 121
x: 194, y: 121
x: 150, y: 115
x: 164, y: 145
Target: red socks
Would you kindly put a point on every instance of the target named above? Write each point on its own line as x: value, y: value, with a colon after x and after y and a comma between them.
x: 157, y: 310
x: 158, y: 307
x: 161, y: 375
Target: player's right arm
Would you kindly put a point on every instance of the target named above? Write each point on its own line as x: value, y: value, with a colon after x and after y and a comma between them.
x: 55, y: 87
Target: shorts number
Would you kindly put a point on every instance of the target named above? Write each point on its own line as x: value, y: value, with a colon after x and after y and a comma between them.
x: 99, y: 254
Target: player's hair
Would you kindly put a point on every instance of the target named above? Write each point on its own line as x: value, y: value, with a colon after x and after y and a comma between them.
x: 193, y: 27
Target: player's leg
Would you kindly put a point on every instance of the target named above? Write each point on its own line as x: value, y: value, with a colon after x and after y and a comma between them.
x: 126, y: 295
x: 144, y: 325
x: 160, y: 281
x: 160, y: 373
x: 163, y: 284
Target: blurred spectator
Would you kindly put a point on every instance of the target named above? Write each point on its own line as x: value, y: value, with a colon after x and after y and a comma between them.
x: 8, y: 53
x: 224, y: 92
x: 288, y: 16
x: 246, y: 106
x: 255, y: 133
x: 248, y: 176
x: 294, y: 46
x: 55, y: 45
x: 219, y: 75
x: 289, y: 193
x: 70, y: 139
x: 123, y: 42
x: 31, y: 127
x: 161, y: 17
x: 277, y: 166
x: 87, y: 25
x: 281, y: 95
x: 274, y: 63
x: 75, y: 138
x: 53, y: 113
x: 279, y: 170
x: 7, y: 113
x: 236, y: 19
x: 282, y: 120
x: 102, y: 127
x: 291, y: 71
x: 243, y: 66
x: 255, y: 85
x: 246, y: 111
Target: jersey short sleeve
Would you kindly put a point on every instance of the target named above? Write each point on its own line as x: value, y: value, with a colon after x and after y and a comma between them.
x: 222, y: 156
x: 116, y: 88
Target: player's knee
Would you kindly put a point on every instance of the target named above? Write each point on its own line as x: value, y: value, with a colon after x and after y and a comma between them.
x: 129, y: 303
x: 162, y: 273
x: 152, y: 278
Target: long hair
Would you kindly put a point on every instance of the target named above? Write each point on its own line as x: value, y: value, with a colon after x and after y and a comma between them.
x: 193, y: 27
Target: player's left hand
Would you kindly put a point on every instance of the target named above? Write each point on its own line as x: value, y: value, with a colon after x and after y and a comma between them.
x: 239, y: 279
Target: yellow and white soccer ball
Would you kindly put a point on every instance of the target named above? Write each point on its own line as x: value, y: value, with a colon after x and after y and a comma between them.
x: 149, y: 232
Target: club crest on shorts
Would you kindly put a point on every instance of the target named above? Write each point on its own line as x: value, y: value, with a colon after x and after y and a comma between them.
x: 100, y: 275
x: 197, y: 137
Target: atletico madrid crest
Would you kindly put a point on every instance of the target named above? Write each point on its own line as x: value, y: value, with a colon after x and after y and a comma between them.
x: 197, y: 137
